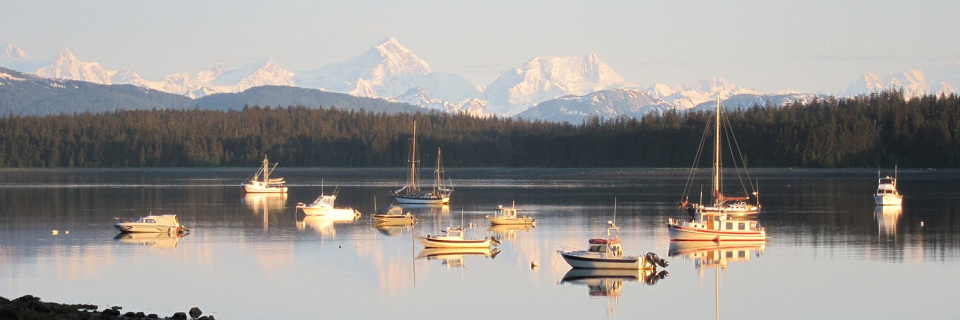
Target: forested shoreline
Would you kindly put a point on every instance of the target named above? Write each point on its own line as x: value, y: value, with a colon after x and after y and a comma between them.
x: 865, y: 131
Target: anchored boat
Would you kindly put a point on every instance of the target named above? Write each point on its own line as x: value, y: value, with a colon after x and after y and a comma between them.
x: 508, y: 216
x: 453, y: 238
x: 393, y: 215
x: 166, y: 223
x: 739, y: 206
x: 887, y: 194
x: 324, y: 206
x: 411, y: 192
x: 715, y: 227
x: 262, y: 183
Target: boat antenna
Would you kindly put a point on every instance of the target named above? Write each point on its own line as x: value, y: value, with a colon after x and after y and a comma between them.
x: 614, y: 210
x: 321, y: 186
x: 461, y: 218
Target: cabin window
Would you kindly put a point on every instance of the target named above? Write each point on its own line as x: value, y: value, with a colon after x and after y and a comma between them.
x: 729, y: 225
x: 729, y: 254
x: 742, y: 254
x: 742, y: 226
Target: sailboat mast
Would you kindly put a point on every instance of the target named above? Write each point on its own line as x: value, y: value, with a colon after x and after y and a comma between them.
x: 413, y: 160
x: 716, y: 158
x: 266, y: 170
x: 438, y: 185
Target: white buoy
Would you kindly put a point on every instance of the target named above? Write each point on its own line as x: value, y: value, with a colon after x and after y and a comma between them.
x: 533, y: 265
x: 68, y: 232
x: 55, y: 232
x: 921, y: 224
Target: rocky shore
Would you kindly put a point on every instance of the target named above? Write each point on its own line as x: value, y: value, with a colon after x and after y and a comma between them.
x: 31, y: 308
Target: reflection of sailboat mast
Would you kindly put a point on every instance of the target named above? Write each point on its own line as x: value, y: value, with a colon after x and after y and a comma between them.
x: 718, y: 288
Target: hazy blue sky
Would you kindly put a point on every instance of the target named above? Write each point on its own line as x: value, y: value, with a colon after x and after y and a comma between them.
x: 805, y: 45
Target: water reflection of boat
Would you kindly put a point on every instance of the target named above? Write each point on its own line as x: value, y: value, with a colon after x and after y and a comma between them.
x: 707, y: 254
x: 323, y: 224
x: 508, y: 216
x: 508, y: 232
x: 608, y: 282
x: 888, y: 217
x: 393, y: 215
x: 265, y: 201
x: 265, y: 184
x: 392, y: 230
x: 159, y: 240
x: 453, y: 257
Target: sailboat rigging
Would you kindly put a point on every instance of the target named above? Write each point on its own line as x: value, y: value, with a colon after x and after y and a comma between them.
x: 411, y: 192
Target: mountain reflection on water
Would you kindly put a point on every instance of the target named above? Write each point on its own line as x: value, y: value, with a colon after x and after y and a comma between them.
x: 826, y: 247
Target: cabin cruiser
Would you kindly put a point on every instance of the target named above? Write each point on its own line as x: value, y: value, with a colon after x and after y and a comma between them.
x: 887, y: 194
x: 453, y: 238
x: 262, y: 183
x: 323, y: 206
x: 508, y: 216
x: 606, y: 253
x: 166, y: 223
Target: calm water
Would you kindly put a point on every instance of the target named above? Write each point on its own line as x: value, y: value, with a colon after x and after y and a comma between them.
x: 831, y: 254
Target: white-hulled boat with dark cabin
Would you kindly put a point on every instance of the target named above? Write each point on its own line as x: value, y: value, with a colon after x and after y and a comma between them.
x: 262, y: 183
x: 606, y: 253
x: 166, y: 223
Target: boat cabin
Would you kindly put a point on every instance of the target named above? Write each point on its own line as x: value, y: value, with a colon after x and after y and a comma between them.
x: 453, y: 232
x: 506, y: 212
x: 606, y: 246
x: 167, y: 219
x: 887, y: 185
x: 719, y: 222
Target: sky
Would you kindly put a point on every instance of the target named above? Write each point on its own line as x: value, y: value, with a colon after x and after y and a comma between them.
x: 810, y: 46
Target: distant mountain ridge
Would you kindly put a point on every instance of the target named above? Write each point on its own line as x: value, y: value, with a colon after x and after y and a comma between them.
x: 546, y: 88
x: 26, y: 94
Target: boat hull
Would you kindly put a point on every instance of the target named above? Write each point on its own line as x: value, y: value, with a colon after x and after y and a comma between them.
x: 511, y: 221
x: 131, y: 227
x: 888, y: 200
x: 251, y: 188
x: 685, y: 233
x: 380, y: 219
x: 422, y: 200
x: 580, y: 259
x: 454, y: 243
x: 329, y: 212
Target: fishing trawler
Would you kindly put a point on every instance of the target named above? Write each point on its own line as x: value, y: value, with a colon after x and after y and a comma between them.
x: 262, y: 183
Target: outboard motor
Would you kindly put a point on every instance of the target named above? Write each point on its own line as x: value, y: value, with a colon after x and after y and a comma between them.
x: 655, y: 277
x: 655, y: 259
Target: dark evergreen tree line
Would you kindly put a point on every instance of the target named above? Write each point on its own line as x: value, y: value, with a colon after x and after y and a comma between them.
x: 865, y: 131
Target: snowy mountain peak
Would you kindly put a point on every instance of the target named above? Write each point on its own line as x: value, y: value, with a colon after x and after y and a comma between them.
x: 12, y: 52
x: 67, y: 66
x: 394, y: 58
x: 545, y: 78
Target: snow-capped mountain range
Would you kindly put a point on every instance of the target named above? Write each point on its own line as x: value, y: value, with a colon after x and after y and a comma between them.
x: 549, y: 88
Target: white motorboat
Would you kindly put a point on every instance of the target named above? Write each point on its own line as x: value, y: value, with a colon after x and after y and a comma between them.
x: 393, y: 215
x: 166, y: 223
x: 606, y: 253
x: 887, y: 194
x: 739, y: 206
x: 262, y: 183
x: 411, y: 192
x: 453, y: 238
x: 324, y: 206
x: 508, y: 216
x: 715, y: 227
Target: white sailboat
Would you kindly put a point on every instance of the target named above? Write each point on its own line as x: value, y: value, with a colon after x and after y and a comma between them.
x: 265, y: 184
x: 411, y: 192
x: 740, y: 206
x: 887, y: 194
